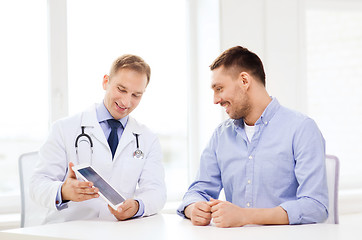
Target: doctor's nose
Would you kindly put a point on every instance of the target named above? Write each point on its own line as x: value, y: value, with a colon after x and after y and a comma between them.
x: 127, y: 101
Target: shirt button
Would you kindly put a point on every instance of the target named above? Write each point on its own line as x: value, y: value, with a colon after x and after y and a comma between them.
x: 250, y: 157
x: 249, y: 181
x: 248, y: 204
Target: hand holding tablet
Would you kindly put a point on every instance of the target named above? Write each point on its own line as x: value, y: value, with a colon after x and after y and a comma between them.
x: 106, y: 191
x: 76, y: 191
x: 127, y: 210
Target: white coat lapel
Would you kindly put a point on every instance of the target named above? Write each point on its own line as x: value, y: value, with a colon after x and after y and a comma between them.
x: 89, y: 119
x: 128, y: 136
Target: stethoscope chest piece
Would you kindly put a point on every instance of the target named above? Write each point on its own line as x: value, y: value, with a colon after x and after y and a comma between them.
x: 138, y: 154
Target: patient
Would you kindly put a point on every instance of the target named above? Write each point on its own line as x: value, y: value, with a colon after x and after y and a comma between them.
x: 269, y: 160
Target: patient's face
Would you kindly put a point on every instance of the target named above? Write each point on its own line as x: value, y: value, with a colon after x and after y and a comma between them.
x: 230, y: 93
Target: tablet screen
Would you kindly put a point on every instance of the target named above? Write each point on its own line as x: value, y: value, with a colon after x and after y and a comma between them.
x: 102, y: 185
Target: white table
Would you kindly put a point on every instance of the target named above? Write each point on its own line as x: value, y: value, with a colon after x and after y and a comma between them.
x: 171, y: 226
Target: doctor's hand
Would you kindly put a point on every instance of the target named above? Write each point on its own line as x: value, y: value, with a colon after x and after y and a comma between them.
x: 199, y: 213
x: 128, y: 209
x: 77, y: 191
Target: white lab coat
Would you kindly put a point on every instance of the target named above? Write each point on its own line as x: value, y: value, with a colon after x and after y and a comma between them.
x: 133, y: 178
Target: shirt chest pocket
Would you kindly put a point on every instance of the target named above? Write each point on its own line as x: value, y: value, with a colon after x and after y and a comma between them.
x: 276, y: 170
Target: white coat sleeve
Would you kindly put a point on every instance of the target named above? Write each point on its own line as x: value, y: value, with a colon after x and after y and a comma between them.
x: 151, y: 185
x: 50, y: 170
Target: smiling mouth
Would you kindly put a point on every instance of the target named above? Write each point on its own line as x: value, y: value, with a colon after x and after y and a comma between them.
x: 122, y: 108
x: 225, y: 105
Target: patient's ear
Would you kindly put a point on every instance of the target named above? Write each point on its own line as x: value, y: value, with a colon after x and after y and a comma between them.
x: 244, y: 79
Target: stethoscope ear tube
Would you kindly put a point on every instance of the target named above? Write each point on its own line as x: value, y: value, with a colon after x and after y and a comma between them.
x: 88, y: 140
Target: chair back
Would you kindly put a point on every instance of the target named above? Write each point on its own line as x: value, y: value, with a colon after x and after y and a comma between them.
x: 332, y: 168
x: 32, y: 214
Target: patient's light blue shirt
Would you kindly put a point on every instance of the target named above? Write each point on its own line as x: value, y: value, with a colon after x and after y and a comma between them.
x: 102, y: 116
x: 283, y: 165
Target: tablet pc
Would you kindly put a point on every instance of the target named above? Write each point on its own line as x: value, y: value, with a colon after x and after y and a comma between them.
x: 106, y: 191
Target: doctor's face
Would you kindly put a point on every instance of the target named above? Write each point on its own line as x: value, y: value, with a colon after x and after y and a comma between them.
x: 124, y: 91
x: 230, y: 92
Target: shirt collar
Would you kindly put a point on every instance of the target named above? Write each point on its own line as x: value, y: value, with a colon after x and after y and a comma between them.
x: 103, y: 115
x: 265, y: 117
x: 269, y: 111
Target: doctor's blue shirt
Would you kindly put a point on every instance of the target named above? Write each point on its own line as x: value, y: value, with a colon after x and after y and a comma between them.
x: 283, y: 165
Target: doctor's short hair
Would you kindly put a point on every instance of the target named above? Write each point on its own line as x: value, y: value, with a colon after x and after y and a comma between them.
x: 133, y: 62
x: 239, y: 59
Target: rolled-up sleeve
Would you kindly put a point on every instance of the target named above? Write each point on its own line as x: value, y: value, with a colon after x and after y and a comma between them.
x: 311, y: 205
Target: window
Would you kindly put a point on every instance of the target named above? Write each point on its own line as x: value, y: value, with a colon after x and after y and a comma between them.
x: 334, y: 64
x: 100, y: 31
x: 24, y: 88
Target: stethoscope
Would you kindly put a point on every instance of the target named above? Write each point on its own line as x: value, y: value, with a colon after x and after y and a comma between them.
x: 83, y: 137
x: 138, y: 154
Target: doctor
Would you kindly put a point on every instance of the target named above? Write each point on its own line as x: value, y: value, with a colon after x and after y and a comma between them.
x: 115, y: 137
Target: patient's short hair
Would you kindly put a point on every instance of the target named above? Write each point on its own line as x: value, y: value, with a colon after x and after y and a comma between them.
x: 239, y: 59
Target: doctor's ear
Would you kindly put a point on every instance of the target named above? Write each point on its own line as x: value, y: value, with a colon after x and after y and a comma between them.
x: 105, y: 81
